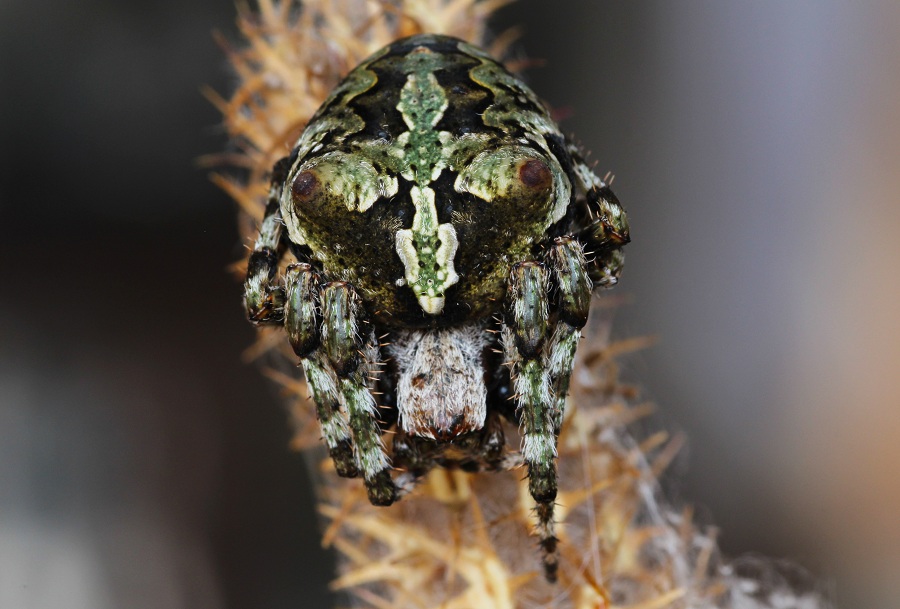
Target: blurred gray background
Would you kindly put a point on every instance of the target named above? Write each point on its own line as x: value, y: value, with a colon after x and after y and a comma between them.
x: 757, y: 151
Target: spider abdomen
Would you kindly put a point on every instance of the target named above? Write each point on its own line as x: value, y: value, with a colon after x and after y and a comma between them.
x: 423, y: 178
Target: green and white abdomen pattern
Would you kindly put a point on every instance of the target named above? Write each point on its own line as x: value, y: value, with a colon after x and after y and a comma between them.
x: 427, y: 249
x: 411, y: 182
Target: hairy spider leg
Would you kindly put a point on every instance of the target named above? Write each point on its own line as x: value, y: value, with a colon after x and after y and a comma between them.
x: 605, y: 237
x: 295, y: 304
x: 568, y: 265
x: 323, y: 384
x: 525, y: 337
x: 608, y: 230
x: 352, y: 352
x: 263, y: 298
x: 585, y: 176
x: 301, y: 322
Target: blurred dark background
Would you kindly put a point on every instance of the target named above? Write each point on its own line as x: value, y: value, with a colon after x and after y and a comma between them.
x: 757, y: 150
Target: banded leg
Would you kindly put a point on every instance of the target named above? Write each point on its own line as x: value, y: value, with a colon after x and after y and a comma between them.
x: 608, y: 229
x: 352, y: 352
x: 584, y: 175
x: 607, y: 267
x: 301, y: 286
x: 263, y: 298
x: 567, y: 262
x: 605, y: 236
x: 525, y: 337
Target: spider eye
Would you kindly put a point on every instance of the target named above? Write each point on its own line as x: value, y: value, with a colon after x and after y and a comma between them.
x: 517, y: 176
x: 305, y: 187
x: 535, y: 174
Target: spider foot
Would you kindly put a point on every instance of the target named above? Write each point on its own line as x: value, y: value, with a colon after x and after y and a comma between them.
x: 547, y: 540
x: 381, y: 488
x: 342, y: 457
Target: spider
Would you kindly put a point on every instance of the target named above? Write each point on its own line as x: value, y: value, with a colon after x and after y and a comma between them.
x: 445, y: 229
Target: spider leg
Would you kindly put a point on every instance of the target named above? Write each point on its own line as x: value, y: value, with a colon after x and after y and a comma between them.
x: 585, y: 177
x: 301, y: 322
x: 605, y: 236
x: 606, y: 229
x: 525, y: 343
x: 569, y: 268
x: 491, y: 448
x: 415, y: 456
x: 263, y: 298
x: 352, y: 350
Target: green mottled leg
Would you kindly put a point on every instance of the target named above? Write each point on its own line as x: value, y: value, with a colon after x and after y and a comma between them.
x: 604, y: 237
x: 263, y: 299
x: 301, y: 287
x: 525, y: 338
x: 606, y: 268
x: 352, y: 352
x: 568, y: 265
x: 607, y: 229
x: 585, y: 177
x: 323, y: 385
